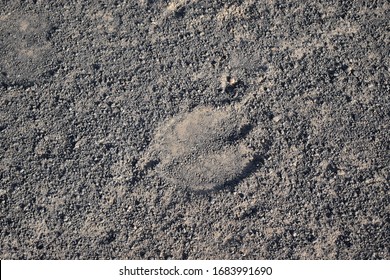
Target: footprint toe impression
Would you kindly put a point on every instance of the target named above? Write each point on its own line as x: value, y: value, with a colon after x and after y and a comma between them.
x: 203, y: 149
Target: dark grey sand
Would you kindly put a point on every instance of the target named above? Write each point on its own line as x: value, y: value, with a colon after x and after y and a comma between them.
x: 194, y: 129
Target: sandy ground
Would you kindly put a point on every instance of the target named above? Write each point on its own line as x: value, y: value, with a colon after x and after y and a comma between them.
x: 191, y: 129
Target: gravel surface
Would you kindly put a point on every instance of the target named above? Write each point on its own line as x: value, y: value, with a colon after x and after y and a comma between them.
x: 191, y: 129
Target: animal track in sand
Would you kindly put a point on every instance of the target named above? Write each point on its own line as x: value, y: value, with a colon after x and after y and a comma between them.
x: 204, y: 149
x: 25, y: 50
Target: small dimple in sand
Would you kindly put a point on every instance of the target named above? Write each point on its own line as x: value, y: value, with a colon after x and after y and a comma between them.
x: 203, y: 149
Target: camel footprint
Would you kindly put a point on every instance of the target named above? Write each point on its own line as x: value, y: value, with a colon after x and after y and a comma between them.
x: 204, y: 149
